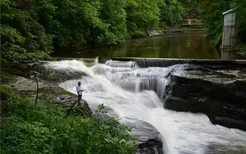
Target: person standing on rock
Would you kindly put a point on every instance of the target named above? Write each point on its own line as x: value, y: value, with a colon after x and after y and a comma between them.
x: 79, y: 92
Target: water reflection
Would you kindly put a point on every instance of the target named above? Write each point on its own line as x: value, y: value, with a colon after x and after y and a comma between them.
x: 192, y: 45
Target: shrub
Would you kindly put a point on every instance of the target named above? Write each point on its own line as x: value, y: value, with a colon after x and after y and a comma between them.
x: 43, y: 128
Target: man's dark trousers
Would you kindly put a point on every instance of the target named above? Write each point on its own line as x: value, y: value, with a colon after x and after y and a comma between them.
x: 79, y: 99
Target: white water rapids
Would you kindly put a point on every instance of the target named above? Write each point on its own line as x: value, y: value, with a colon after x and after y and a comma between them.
x: 136, y: 93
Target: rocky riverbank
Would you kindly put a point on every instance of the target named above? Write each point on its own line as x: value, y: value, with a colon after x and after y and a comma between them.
x: 213, y: 87
x: 218, y: 93
x: 175, y: 31
x: 20, y: 78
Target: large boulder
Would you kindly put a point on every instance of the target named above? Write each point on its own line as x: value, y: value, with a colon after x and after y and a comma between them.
x: 149, y: 139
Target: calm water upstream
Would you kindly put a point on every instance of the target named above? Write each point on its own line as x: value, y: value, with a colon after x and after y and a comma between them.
x: 191, y: 45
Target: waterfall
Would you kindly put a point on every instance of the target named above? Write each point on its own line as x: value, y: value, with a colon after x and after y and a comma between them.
x: 146, y: 62
x: 130, y: 77
x: 136, y: 93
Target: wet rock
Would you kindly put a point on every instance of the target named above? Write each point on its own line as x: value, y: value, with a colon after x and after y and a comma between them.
x: 82, y: 110
x: 55, y: 71
x: 149, y: 139
x: 62, y: 75
x: 27, y: 69
x: 222, y: 98
x: 151, y: 146
x: 165, y: 62
x: 215, y: 148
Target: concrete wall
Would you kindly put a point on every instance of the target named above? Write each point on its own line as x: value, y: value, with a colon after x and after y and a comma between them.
x: 229, y: 32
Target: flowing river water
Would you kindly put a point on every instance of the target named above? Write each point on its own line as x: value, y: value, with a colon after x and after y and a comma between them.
x: 136, y: 93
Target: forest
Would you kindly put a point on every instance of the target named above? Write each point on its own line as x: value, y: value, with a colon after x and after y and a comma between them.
x: 33, y: 29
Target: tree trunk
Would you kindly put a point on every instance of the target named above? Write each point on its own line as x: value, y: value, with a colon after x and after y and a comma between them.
x: 36, y: 100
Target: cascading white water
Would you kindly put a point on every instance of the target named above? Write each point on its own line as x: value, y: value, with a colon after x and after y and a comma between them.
x: 136, y: 93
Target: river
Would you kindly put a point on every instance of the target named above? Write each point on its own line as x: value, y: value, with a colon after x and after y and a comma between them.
x: 135, y: 94
x: 179, y: 45
x: 187, y: 45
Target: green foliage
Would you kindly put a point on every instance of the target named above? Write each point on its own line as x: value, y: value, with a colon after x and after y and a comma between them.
x: 241, y: 20
x: 42, y: 128
x: 142, y: 16
x: 241, y: 46
x: 5, y: 77
x: 21, y: 33
x: 113, y: 14
x: 32, y: 29
x: 90, y: 22
x: 211, y: 12
x: 171, y: 11
x: 7, y: 91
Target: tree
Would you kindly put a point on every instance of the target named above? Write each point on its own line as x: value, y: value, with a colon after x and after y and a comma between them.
x: 22, y: 37
x: 113, y: 14
x: 171, y: 11
x: 141, y: 16
x: 31, y: 29
x: 241, y: 20
x: 211, y: 12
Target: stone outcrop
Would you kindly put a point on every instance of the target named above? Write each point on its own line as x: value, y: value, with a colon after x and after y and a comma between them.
x: 60, y: 75
x: 149, y: 139
x: 221, y: 95
x: 27, y: 87
x: 28, y: 68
